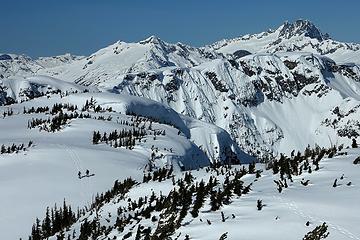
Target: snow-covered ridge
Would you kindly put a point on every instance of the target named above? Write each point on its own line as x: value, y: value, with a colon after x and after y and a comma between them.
x: 16, y: 90
x: 112, y: 62
x: 12, y: 65
x: 302, y: 35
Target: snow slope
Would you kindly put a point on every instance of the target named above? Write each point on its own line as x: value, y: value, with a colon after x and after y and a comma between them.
x: 284, y: 215
x: 47, y: 172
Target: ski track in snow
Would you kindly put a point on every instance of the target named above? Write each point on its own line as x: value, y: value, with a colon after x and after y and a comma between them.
x: 300, y: 212
x: 78, y: 163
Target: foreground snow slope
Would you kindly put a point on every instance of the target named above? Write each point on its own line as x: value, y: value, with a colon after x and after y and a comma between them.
x: 46, y: 173
x: 283, y: 216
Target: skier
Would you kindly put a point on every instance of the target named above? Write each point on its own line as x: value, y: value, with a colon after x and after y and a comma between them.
x: 79, y: 174
x: 87, y: 172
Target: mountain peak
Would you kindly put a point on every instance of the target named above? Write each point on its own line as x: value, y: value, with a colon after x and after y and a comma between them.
x: 301, y: 27
x: 152, y: 39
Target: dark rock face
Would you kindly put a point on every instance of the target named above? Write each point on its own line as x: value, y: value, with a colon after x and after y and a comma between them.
x: 300, y: 27
x: 273, y: 82
x: 218, y: 84
x: 5, y: 57
x: 241, y: 53
x: 349, y: 71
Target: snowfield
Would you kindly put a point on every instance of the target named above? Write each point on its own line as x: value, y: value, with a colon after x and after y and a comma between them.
x: 284, y: 215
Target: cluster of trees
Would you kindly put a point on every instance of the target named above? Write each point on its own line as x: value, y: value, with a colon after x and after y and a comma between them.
x: 231, y: 187
x: 123, y: 138
x: 54, y: 124
x: 55, y: 220
x: 60, y: 107
x: 91, y: 105
x: 36, y: 110
x: 297, y: 164
x: 159, y: 174
x: 93, y: 227
x: 14, y: 148
x: 126, y: 138
x: 139, y: 118
x: 103, y: 118
x: 63, y: 113
x: 8, y: 112
x: 119, y: 189
x: 90, y: 229
x: 320, y: 232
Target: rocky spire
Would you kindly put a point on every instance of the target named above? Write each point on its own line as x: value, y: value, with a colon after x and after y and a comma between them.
x: 301, y: 27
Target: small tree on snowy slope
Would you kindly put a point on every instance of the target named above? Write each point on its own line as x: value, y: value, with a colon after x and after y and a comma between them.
x: 259, y: 205
x: 354, y: 143
x: 320, y: 232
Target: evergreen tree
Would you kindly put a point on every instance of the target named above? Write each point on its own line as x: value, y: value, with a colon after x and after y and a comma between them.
x: 259, y: 205
x: 199, y: 200
x: 357, y: 160
x: 46, y: 225
x: 215, y: 200
x: 36, y: 231
x: 252, y: 168
x: 223, y: 236
x: 354, y: 143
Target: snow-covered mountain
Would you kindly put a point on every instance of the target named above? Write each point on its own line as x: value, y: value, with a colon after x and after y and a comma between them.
x: 302, y: 35
x: 116, y: 60
x: 73, y: 125
x: 238, y: 85
x: 21, y: 65
x: 13, y: 65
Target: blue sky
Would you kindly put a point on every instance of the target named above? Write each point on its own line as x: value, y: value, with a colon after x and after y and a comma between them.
x: 51, y: 27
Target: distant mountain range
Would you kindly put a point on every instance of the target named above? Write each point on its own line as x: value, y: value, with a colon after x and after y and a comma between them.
x: 273, y: 92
